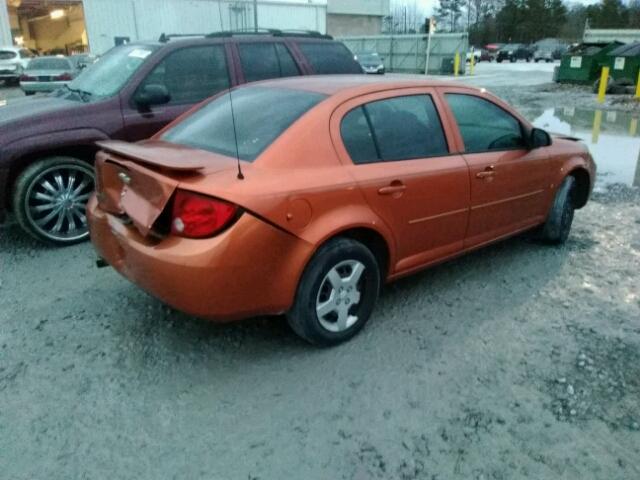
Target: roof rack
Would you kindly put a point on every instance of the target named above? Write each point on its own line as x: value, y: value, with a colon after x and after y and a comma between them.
x: 164, y: 38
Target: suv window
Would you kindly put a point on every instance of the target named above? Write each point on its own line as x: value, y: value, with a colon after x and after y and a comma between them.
x: 7, y: 55
x: 329, y: 57
x: 484, y: 126
x: 191, y: 74
x: 261, y: 61
x: 399, y: 128
x: 260, y: 116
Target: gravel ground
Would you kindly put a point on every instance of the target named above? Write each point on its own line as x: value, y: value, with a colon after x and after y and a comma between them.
x: 517, y: 361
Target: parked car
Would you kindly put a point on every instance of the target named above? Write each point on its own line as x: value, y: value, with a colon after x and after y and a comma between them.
x: 13, y: 60
x: 310, y: 193
x: 371, y: 62
x: 543, y: 54
x: 514, y: 52
x: 47, y: 144
x: 480, y: 54
x: 46, y: 74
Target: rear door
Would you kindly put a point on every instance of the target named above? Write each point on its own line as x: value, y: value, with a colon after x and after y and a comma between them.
x: 509, y: 182
x: 190, y: 74
x: 396, y: 147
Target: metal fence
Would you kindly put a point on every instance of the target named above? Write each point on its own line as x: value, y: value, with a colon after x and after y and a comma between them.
x: 407, y: 53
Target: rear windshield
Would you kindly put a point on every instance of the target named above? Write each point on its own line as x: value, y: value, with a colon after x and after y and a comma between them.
x: 49, y: 64
x: 7, y: 55
x: 261, y: 114
x: 329, y: 57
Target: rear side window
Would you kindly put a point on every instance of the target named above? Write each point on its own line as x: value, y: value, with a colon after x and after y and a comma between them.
x: 329, y: 57
x: 261, y: 61
x: 191, y: 74
x: 7, y: 55
x: 484, y: 126
x: 261, y: 114
x: 399, y: 128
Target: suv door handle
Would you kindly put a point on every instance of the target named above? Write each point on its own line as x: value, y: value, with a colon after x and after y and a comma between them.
x: 395, y: 187
x: 487, y: 172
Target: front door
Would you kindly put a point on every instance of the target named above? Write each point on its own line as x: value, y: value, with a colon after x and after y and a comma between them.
x: 190, y: 75
x: 509, y: 181
x: 397, y: 150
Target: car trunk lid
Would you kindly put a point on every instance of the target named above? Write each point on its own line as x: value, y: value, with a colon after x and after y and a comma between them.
x: 137, y: 181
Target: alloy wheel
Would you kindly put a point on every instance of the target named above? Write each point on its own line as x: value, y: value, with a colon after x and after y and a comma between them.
x: 339, y: 296
x: 55, y: 204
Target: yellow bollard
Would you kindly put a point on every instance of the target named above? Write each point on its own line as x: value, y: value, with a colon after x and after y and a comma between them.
x: 595, y: 131
x: 604, y: 79
x: 638, y: 86
x: 633, y: 127
x: 472, y: 62
x: 456, y: 64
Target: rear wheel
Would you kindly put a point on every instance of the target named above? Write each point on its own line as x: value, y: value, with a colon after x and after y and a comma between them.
x: 336, y: 294
x: 50, y: 198
x: 558, y: 225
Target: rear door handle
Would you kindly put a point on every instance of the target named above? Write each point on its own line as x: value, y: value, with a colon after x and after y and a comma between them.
x: 487, y: 172
x: 395, y: 187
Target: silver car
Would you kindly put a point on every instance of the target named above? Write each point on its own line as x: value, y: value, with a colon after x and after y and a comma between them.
x: 13, y: 61
x: 46, y: 74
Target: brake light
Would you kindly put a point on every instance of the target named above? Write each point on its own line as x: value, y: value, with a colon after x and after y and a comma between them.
x: 198, y: 216
x: 63, y: 77
x: 27, y: 78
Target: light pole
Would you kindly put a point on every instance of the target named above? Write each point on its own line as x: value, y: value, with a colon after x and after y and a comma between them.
x: 255, y: 15
x: 432, y: 28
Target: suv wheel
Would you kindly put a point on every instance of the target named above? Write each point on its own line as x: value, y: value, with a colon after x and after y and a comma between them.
x: 336, y: 294
x: 50, y: 198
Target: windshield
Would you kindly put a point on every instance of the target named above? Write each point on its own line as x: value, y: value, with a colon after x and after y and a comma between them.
x: 49, y: 64
x: 108, y: 75
x: 261, y: 114
x: 369, y: 57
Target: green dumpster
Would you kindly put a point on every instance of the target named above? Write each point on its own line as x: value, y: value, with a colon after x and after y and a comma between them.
x: 624, y: 63
x: 582, y: 64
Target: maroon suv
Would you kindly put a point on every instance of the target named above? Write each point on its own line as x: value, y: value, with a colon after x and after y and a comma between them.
x: 47, y: 144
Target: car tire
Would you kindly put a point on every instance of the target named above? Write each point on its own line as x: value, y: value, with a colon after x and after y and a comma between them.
x: 330, y: 306
x: 50, y: 197
x: 28, y: 94
x: 557, y: 227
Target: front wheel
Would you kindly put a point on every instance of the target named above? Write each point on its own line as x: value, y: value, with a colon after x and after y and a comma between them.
x: 336, y: 294
x: 558, y: 225
x: 50, y: 198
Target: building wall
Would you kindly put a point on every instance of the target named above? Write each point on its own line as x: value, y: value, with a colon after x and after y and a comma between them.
x: 147, y: 19
x: 5, y: 27
x: 340, y: 25
x: 358, y: 7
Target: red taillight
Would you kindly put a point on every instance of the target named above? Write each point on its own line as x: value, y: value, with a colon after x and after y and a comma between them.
x: 197, y: 216
x: 63, y: 77
x: 27, y: 78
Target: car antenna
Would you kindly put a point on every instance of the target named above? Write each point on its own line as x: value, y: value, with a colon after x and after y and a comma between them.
x: 235, y: 136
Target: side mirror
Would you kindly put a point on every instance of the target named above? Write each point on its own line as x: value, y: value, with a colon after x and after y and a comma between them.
x: 539, y: 138
x: 153, y: 94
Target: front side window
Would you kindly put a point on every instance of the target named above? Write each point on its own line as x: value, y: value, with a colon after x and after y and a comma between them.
x: 261, y: 61
x: 260, y: 114
x: 191, y: 74
x: 399, y: 128
x: 329, y: 57
x: 484, y: 126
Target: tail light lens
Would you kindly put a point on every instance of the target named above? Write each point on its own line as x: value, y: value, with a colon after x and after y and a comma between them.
x: 27, y: 78
x: 63, y: 77
x: 198, y: 216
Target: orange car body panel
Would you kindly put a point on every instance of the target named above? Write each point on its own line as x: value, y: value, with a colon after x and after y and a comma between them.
x: 304, y: 189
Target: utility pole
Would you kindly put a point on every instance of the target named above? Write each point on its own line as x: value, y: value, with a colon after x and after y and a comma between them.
x: 255, y: 15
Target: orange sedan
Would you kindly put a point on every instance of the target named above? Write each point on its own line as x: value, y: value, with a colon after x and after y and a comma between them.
x: 302, y: 196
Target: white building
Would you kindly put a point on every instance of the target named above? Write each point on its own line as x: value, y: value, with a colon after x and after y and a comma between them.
x: 356, y: 17
x: 65, y: 26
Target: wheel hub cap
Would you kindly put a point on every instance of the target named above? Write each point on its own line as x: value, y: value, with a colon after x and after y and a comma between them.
x: 339, y: 296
